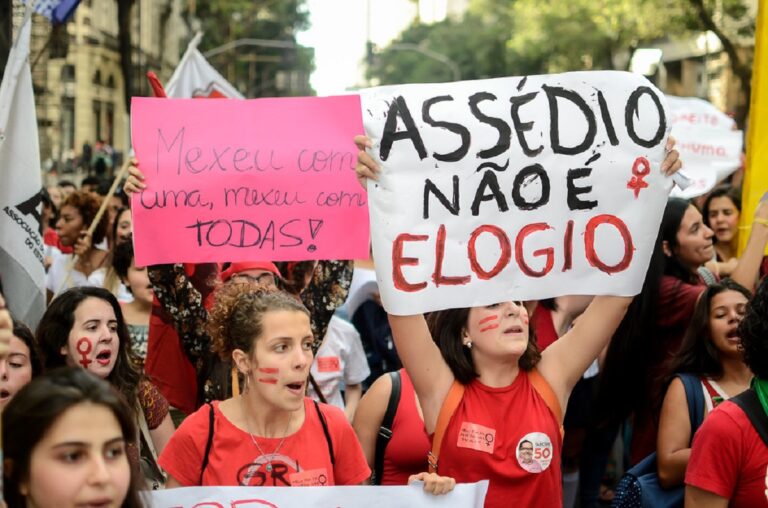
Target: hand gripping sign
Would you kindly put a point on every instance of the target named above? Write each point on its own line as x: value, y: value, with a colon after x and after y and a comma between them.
x: 515, y: 188
x: 265, y: 179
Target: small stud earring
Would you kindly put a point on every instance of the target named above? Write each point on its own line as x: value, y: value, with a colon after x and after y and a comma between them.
x: 468, y: 344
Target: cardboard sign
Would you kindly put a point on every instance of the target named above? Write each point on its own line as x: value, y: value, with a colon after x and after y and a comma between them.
x: 468, y: 495
x: 265, y: 179
x: 708, y: 141
x: 515, y: 188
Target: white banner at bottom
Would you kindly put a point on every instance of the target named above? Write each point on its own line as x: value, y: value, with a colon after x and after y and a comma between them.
x: 466, y: 495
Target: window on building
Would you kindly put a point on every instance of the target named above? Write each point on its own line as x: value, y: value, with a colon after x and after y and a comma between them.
x: 97, y: 119
x: 68, y: 73
x: 110, y: 120
x: 97, y: 77
x: 111, y: 81
x: 67, y: 123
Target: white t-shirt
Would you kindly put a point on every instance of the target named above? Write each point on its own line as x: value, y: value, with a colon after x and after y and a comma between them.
x: 58, y: 272
x: 340, y: 358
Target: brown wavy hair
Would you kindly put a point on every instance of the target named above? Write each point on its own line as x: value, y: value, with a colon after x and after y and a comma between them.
x: 235, y: 320
x: 447, y: 327
x: 88, y: 205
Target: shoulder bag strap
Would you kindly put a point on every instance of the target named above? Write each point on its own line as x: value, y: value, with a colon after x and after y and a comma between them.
x: 749, y: 402
x: 385, y: 430
x: 208, y: 443
x: 327, y: 433
x: 546, y: 392
x: 451, y: 402
x: 144, y: 427
x: 694, y: 395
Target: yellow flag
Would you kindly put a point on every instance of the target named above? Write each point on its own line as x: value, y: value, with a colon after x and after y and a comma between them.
x: 756, y: 177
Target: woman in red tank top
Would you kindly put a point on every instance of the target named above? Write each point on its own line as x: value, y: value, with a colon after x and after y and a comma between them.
x: 506, y: 426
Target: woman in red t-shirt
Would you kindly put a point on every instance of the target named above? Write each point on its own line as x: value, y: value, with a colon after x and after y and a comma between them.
x: 729, y: 458
x: 271, y: 434
x: 711, y: 352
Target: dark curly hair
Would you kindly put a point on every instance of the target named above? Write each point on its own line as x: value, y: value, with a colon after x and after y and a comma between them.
x: 88, y: 205
x: 235, y: 320
x: 57, y: 322
x: 122, y: 255
x: 37, y: 407
x: 698, y: 355
x: 447, y: 327
x: 753, y: 331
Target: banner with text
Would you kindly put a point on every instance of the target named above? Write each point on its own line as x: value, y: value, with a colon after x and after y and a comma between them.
x: 708, y: 141
x: 467, y: 495
x: 264, y: 179
x: 515, y: 188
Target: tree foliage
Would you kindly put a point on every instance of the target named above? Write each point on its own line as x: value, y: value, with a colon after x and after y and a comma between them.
x: 253, y: 70
x: 502, y: 38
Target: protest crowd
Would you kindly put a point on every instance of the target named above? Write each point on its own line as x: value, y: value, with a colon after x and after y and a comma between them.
x: 144, y: 377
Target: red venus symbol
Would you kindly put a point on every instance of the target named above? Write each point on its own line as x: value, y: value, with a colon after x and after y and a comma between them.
x: 84, y: 347
x: 641, y: 168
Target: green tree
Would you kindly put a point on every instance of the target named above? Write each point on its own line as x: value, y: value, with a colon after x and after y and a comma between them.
x: 254, y: 69
x: 475, y: 47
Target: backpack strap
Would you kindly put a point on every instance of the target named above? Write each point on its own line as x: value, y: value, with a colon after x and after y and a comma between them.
x: 694, y: 396
x: 208, y: 443
x: 749, y: 402
x: 326, y: 432
x: 385, y: 430
x: 451, y: 402
x: 546, y: 392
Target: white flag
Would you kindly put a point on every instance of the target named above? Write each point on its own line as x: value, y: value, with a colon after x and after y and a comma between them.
x: 195, y: 77
x: 21, y: 242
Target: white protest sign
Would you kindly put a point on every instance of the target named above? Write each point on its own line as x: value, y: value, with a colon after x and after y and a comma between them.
x: 708, y: 142
x: 514, y: 188
x: 467, y: 495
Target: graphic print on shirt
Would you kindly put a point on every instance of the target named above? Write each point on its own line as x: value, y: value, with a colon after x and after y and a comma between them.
x: 276, y: 470
x: 328, y: 364
x: 534, y: 452
x: 476, y: 437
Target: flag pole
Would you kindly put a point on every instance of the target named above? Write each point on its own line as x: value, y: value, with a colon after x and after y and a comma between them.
x: 95, y: 222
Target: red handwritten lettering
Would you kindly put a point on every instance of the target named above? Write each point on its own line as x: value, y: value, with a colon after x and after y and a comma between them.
x: 437, y: 277
x: 504, y: 257
x: 589, y: 243
x: 398, y: 261
x: 549, y: 252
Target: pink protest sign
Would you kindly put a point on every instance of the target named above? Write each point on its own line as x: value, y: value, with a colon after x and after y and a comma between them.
x: 265, y: 179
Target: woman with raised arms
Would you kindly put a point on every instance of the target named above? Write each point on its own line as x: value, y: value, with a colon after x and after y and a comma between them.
x: 506, y: 426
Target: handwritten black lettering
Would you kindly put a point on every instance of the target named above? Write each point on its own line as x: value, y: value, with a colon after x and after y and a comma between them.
x: 555, y: 92
x: 431, y: 188
x: 250, y: 196
x: 632, y: 111
x: 491, y: 183
x: 456, y: 128
x: 398, y: 108
x: 505, y: 133
x: 525, y: 177
x: 574, y: 201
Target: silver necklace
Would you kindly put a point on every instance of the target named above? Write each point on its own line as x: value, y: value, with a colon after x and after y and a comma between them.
x: 271, y: 456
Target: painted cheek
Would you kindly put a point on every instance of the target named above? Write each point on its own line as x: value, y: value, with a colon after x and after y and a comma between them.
x: 488, y: 323
x: 84, y: 346
x: 268, y: 370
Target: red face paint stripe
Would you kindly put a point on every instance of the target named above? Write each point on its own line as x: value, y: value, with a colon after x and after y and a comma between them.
x: 269, y: 370
x: 268, y: 380
x: 489, y: 318
x: 489, y: 327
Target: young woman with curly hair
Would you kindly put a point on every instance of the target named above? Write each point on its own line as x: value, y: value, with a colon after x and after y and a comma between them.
x: 271, y: 434
x: 710, y: 351
x: 729, y: 459
x: 77, y: 213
